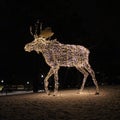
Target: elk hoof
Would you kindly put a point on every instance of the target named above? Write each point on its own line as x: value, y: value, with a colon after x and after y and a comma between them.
x: 55, y: 94
x: 48, y: 93
x: 78, y: 92
x: 97, y: 93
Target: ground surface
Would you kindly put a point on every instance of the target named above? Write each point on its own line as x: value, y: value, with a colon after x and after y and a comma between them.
x: 67, y: 106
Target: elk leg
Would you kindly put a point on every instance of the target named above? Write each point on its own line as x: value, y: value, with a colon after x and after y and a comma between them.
x: 92, y: 73
x: 56, y: 81
x: 85, y: 73
x: 46, y: 81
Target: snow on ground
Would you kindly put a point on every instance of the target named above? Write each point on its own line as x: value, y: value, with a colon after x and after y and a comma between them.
x: 66, y: 106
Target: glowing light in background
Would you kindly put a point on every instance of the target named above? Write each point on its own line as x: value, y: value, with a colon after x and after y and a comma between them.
x: 57, y: 55
x: 28, y: 82
x: 2, y: 81
x: 42, y: 76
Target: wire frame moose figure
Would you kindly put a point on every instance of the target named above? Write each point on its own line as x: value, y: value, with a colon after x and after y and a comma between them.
x: 59, y: 55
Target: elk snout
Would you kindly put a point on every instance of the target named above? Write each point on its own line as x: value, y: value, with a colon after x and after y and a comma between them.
x: 26, y: 49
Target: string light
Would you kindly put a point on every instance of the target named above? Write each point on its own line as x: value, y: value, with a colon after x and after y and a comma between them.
x: 57, y: 55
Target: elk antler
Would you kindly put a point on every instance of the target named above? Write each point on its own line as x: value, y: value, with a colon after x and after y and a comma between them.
x: 40, y: 27
x: 36, y: 27
x: 31, y: 31
x: 47, y: 33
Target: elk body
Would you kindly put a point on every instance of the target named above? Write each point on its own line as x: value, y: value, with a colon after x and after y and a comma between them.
x: 65, y: 55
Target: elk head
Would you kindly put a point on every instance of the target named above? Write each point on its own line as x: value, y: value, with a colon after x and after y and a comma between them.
x: 38, y: 39
x: 30, y: 46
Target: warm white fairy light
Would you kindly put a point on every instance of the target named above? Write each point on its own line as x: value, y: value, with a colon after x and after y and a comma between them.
x: 57, y: 55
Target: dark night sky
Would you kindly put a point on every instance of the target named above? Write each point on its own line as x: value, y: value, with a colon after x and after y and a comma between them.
x: 87, y: 22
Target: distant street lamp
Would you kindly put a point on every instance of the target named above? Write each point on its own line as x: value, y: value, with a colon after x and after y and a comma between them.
x: 42, y: 76
x: 2, y: 81
x: 28, y: 82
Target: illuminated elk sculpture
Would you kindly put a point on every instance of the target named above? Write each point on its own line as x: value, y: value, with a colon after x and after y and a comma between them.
x: 60, y: 55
